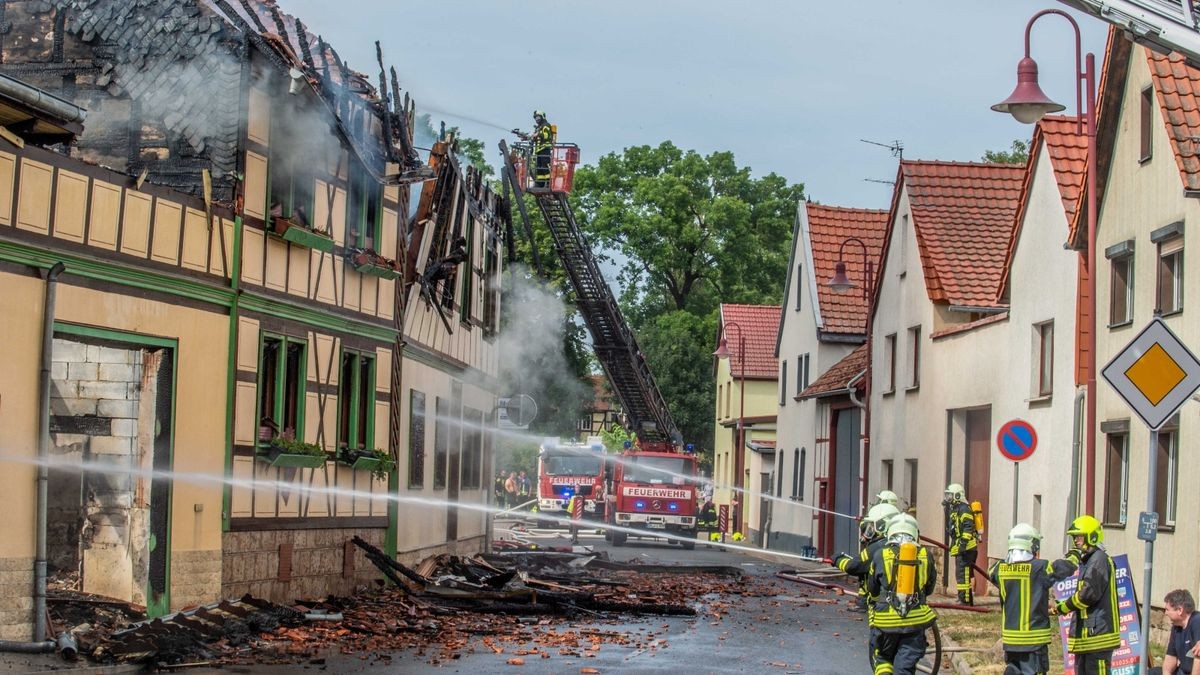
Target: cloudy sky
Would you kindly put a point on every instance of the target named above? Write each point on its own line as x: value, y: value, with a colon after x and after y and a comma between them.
x: 789, y: 86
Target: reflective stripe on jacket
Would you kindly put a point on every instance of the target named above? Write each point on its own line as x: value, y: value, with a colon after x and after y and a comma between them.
x: 1096, y: 625
x: 960, y: 528
x: 1025, y: 600
x: 543, y: 137
x: 881, y: 584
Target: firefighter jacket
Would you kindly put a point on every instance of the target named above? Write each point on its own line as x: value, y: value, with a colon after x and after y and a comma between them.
x: 1025, y: 598
x: 543, y: 137
x: 960, y: 528
x: 859, y: 566
x: 893, y: 613
x: 1096, y: 625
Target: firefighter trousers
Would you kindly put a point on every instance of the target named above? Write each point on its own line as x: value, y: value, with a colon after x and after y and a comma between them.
x: 1027, y: 663
x: 1093, y: 663
x: 964, y: 574
x: 898, y: 653
x: 541, y: 175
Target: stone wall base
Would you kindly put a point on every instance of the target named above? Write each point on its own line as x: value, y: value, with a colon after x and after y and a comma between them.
x: 16, y: 599
x: 195, y: 578
x: 283, y: 565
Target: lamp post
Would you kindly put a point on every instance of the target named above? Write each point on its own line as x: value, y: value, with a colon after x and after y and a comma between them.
x: 723, y: 352
x: 841, y: 283
x: 1028, y: 104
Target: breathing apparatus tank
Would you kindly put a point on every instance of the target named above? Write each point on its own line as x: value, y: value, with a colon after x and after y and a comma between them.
x: 977, y: 510
x: 906, y: 572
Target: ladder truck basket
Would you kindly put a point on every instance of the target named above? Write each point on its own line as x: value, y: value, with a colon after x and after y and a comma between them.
x: 563, y: 158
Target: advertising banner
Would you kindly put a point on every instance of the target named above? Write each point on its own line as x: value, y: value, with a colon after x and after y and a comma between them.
x: 1125, y: 658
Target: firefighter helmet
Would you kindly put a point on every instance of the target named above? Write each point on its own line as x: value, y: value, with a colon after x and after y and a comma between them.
x: 887, y: 497
x: 956, y: 492
x: 1024, y: 537
x: 903, y: 525
x: 877, y: 519
x: 714, y: 536
x: 538, y: 113
x: 1087, y: 527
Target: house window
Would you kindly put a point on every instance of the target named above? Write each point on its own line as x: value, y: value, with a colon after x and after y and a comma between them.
x: 889, y: 354
x: 910, y: 470
x: 1116, y: 478
x: 363, y: 209
x: 472, y: 452
x: 886, y: 468
x: 416, y: 439
x: 783, y: 388
x: 914, y: 357
x: 801, y: 373
x: 281, y: 372
x: 290, y: 163
x: 441, y: 441
x: 799, y: 285
x: 491, y: 287
x: 356, y: 402
x: 795, y: 473
x: 1120, y: 301
x: 803, y: 467
x: 1166, y: 477
x: 902, y: 254
x: 1043, y: 350
x: 1147, y: 124
x: 728, y: 395
x: 1170, y: 275
x: 779, y: 477
x: 466, y: 306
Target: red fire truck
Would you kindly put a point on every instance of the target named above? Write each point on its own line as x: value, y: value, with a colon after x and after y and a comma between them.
x: 655, y: 492
x: 652, y: 486
x: 568, y: 469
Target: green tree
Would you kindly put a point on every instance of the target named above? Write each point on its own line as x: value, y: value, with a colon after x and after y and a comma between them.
x: 678, y: 347
x: 614, y: 439
x: 697, y: 230
x: 1017, y: 154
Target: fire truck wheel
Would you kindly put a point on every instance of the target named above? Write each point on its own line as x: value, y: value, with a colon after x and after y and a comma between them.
x: 607, y: 535
x: 688, y: 545
x: 618, y: 538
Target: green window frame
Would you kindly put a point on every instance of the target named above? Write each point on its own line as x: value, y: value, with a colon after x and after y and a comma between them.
x: 356, y: 401
x: 282, y: 384
x: 364, y: 209
x: 290, y: 181
x: 467, y: 294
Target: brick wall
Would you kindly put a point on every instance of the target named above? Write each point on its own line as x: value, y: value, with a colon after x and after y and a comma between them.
x: 195, y: 578
x: 314, y: 563
x: 16, y: 599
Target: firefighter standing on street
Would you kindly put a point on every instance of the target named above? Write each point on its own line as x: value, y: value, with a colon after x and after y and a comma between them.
x: 962, y: 539
x: 1024, y: 582
x: 1095, y: 625
x: 900, y: 579
x: 543, y: 147
x: 872, y: 532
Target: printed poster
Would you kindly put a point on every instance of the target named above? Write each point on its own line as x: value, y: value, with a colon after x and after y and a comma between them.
x: 1125, y: 658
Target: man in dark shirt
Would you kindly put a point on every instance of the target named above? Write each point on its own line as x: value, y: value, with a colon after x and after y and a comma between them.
x: 1185, y: 633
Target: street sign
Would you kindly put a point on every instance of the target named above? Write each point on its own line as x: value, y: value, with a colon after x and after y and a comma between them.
x: 1155, y: 374
x: 1147, y: 526
x: 1017, y: 440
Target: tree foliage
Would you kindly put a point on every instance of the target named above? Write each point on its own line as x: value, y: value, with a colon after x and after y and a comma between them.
x: 1017, y: 154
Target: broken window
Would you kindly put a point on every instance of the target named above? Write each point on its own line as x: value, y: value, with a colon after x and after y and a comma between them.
x: 363, y: 209
x: 292, y: 154
x: 281, y: 387
x: 356, y: 421
x: 441, y: 442
x: 416, y: 439
x: 467, y: 294
x: 472, y: 453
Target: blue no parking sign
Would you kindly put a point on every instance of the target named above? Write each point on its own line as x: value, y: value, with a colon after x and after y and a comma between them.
x: 1016, y: 440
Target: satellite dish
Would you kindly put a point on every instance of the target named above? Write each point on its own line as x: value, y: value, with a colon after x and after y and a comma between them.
x: 516, y: 412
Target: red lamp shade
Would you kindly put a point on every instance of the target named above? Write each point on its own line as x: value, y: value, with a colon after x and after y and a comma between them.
x: 840, y: 283
x: 1028, y: 103
x: 722, y: 349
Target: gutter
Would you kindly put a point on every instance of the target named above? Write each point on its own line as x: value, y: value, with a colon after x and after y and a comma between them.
x: 41, y: 101
x: 977, y: 310
x: 851, y: 389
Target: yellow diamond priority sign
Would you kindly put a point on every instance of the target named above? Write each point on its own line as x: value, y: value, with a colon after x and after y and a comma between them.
x: 1155, y: 374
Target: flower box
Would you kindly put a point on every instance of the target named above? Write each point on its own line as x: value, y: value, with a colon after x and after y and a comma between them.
x: 303, y: 236
x: 377, y: 462
x: 293, y: 454
x: 369, y: 262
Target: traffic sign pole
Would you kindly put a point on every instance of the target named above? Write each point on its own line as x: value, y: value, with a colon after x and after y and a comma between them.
x: 1016, y: 489
x: 1151, y: 497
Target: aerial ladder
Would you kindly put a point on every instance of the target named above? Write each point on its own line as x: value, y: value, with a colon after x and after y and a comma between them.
x: 613, y: 341
x: 1162, y: 25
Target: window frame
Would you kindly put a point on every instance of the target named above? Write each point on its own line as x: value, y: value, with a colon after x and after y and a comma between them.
x: 416, y: 439
x: 799, y: 286
x: 364, y: 208
x: 1127, y: 261
x: 1174, y: 252
x: 360, y: 428
x: 783, y: 382
x: 913, y: 358
x: 911, y: 469
x: 1166, y: 502
x: 1122, y: 505
x: 279, y: 387
x: 1146, y: 126
x: 1043, y: 334
x: 889, y: 353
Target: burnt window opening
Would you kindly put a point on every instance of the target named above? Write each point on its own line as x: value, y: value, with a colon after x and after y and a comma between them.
x: 363, y: 209
x: 441, y: 442
x: 472, y: 452
x: 292, y: 155
x: 416, y: 439
x: 491, y: 287
x: 459, y: 251
x: 356, y: 421
x: 280, y: 388
x: 467, y: 294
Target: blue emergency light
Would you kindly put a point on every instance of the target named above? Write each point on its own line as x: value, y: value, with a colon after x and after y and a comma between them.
x: 673, y: 506
x: 639, y: 504
x: 628, y: 444
x: 690, y: 448
x: 568, y: 492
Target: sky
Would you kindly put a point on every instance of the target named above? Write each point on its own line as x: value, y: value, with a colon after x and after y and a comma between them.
x: 789, y: 86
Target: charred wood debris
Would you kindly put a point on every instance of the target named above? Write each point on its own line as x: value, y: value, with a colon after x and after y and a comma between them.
x: 518, y: 602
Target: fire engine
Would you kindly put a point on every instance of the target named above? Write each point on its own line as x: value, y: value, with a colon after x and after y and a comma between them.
x: 569, y: 469
x: 652, y: 485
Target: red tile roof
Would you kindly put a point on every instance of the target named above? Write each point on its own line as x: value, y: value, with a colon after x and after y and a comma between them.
x: 759, y: 324
x: 829, y: 227
x: 1178, y: 88
x: 963, y: 215
x: 1068, y: 158
x: 837, y: 378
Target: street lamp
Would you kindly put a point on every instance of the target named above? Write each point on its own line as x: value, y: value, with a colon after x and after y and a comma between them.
x: 738, y: 467
x: 1027, y: 104
x: 841, y: 283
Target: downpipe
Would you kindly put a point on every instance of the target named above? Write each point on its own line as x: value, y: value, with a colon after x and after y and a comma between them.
x: 43, y: 453
x: 1076, y: 450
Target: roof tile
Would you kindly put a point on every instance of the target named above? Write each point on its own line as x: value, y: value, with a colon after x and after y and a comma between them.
x: 759, y: 324
x: 1177, y: 84
x: 838, y: 377
x: 829, y: 227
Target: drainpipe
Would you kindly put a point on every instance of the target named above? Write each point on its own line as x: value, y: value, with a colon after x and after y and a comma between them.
x: 40, y: 644
x: 43, y: 475
x: 1076, y: 446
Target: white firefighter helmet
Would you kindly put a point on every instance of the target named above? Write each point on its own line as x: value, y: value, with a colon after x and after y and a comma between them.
x: 878, y: 517
x: 956, y: 492
x: 1024, y: 537
x: 887, y: 497
x: 903, y: 525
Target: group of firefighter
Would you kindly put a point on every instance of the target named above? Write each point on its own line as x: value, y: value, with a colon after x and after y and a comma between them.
x: 897, y: 576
